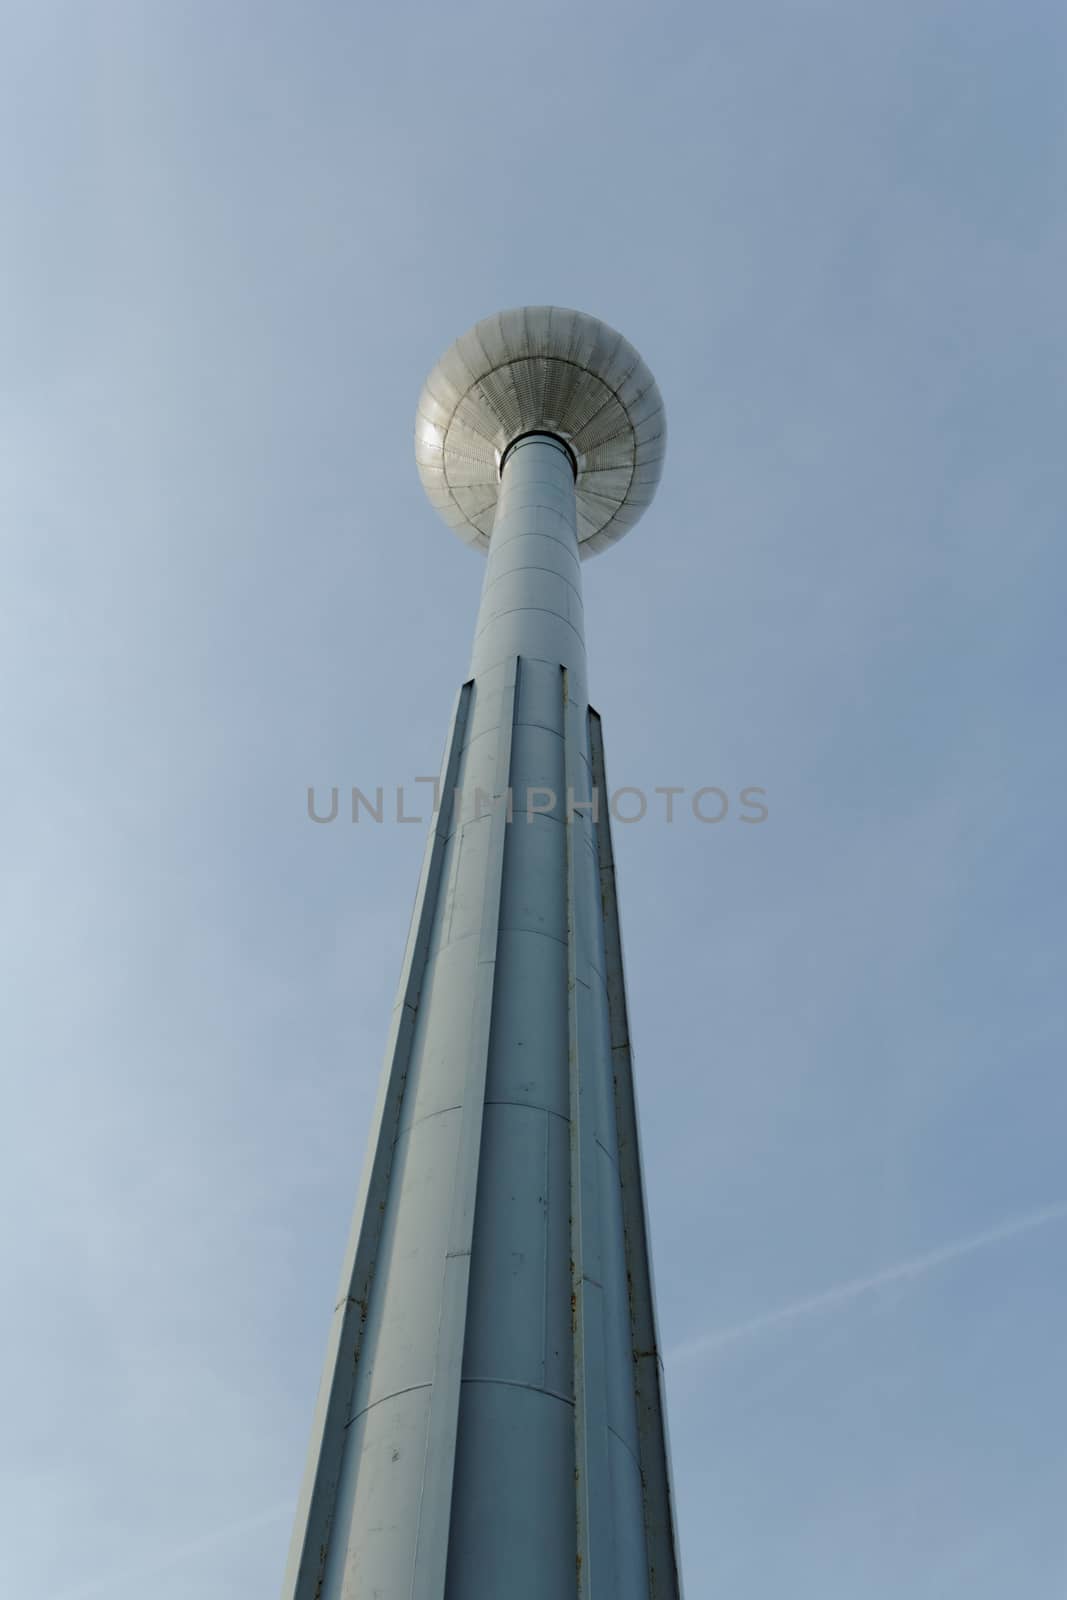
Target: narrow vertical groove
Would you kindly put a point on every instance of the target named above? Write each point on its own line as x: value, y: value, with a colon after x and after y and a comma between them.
x: 546, y: 1259
x: 308, y: 1550
x: 429, y: 1574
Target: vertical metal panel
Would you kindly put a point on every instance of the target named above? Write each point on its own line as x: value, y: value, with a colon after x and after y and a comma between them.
x: 315, y: 1509
x: 431, y: 1551
x: 664, y: 1572
x: 514, y: 1539
x: 595, y: 1558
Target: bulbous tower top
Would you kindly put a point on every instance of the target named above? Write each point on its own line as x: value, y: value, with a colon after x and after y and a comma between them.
x: 541, y: 369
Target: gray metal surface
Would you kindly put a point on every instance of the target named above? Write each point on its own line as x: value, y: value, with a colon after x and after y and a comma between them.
x: 541, y: 367
x: 490, y: 1422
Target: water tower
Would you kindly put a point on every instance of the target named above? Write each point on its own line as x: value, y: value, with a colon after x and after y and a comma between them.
x: 490, y: 1424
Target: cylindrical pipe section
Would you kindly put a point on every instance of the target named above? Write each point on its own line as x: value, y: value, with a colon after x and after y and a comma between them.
x: 532, y: 595
x: 513, y: 1527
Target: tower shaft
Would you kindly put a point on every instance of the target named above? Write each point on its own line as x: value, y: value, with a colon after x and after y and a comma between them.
x: 490, y: 1424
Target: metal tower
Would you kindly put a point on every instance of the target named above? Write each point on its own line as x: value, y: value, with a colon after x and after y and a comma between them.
x: 490, y: 1424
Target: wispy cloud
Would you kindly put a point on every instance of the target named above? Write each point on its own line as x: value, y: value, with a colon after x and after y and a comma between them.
x: 168, y: 1560
x: 841, y: 1294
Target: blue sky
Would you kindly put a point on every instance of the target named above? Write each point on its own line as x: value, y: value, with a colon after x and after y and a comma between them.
x: 236, y: 238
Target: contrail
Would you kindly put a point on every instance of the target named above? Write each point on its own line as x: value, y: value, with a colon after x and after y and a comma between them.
x: 175, y: 1556
x: 842, y: 1293
x: 707, y: 1344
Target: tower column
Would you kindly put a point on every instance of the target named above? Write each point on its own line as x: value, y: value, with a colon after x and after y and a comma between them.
x: 516, y: 1531
x: 532, y: 594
